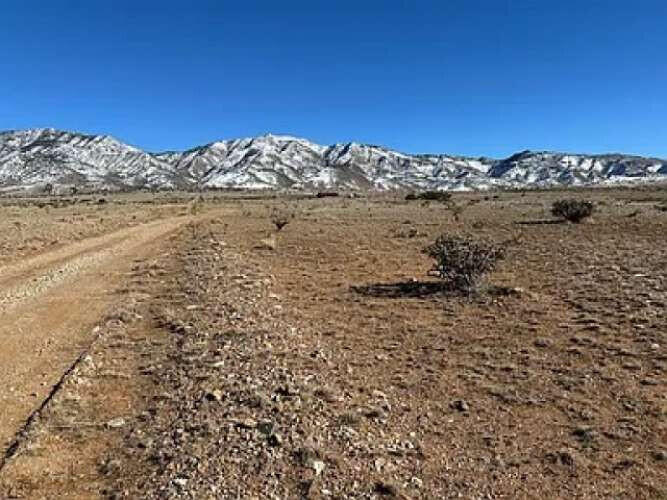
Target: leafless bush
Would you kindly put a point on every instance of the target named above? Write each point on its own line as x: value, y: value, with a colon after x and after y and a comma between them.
x: 195, y: 205
x: 572, y: 210
x: 280, y: 220
x: 464, y: 261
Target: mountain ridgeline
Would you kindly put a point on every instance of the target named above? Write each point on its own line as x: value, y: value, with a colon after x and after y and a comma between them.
x: 32, y: 159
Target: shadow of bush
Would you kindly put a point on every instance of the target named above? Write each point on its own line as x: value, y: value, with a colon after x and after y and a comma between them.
x: 424, y: 289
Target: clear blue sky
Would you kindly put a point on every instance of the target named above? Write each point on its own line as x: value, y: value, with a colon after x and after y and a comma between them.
x: 459, y: 76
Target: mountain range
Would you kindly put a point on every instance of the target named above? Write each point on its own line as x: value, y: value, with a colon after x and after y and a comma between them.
x: 32, y: 159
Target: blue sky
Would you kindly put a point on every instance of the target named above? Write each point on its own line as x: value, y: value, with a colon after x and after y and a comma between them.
x: 460, y: 76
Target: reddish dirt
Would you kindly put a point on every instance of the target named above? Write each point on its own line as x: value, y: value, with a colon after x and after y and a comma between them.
x: 320, y: 361
x: 50, y: 305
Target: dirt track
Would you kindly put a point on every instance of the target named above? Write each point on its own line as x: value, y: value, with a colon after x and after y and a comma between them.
x: 49, y: 306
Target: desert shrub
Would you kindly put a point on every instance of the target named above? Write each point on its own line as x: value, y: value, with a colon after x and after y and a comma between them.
x: 464, y: 261
x: 572, y: 210
x: 281, y: 218
x: 440, y: 196
x: 279, y: 221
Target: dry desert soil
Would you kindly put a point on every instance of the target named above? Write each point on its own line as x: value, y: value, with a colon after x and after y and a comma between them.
x: 181, y: 346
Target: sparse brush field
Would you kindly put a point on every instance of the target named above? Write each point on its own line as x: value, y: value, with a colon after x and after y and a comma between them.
x: 331, y: 363
x: 31, y: 226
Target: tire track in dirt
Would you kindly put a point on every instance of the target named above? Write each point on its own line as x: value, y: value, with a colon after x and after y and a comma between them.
x: 49, y: 305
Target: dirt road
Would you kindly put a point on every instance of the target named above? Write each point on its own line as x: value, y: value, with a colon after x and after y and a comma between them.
x: 49, y: 305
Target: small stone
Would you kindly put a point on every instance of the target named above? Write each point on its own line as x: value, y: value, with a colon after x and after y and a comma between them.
x: 563, y: 456
x: 266, y: 427
x: 115, y: 423
x: 180, y: 481
x: 214, y: 395
x: 541, y: 343
x: 460, y: 405
x: 584, y: 434
x: 275, y: 439
x: 416, y: 482
x: 660, y: 455
x: 318, y: 466
x: 374, y: 412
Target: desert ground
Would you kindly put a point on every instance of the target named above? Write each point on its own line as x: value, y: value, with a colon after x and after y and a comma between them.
x: 181, y: 346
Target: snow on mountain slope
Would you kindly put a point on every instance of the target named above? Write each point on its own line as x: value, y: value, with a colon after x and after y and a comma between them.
x: 40, y: 156
x: 36, y: 157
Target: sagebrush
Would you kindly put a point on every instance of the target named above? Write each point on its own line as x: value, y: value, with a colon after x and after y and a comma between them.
x: 572, y: 210
x: 464, y: 261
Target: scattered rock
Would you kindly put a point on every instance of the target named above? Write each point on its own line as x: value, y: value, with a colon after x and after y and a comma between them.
x: 564, y: 456
x: 318, y: 466
x: 374, y: 412
x: 379, y: 463
x: 181, y: 482
x: 115, y: 423
x: 542, y: 343
x: 266, y: 427
x: 214, y: 395
x: 460, y: 405
x: 110, y: 467
x: 275, y: 439
x: 584, y: 434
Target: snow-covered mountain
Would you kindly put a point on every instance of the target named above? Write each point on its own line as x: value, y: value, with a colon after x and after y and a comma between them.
x: 34, y: 158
